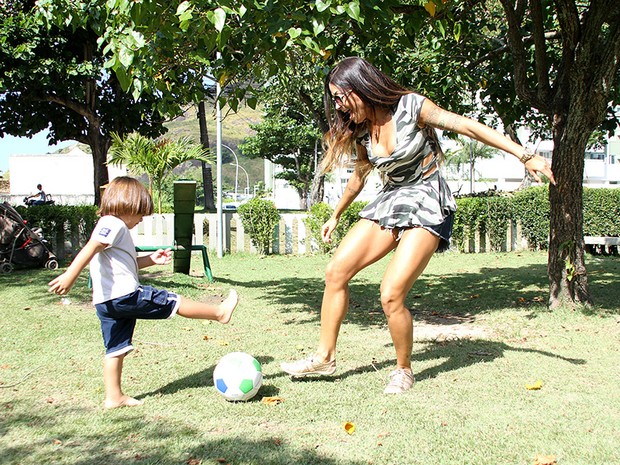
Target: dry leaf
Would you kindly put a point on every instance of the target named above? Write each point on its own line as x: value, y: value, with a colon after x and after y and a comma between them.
x: 430, y: 7
x: 205, y: 338
x: 272, y: 400
x: 349, y: 427
x: 534, y: 387
x: 544, y: 460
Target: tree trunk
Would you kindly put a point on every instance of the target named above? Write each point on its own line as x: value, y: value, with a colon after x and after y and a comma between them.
x: 207, y: 172
x: 317, y: 190
x: 303, y: 198
x: 568, y: 281
x: 99, y: 146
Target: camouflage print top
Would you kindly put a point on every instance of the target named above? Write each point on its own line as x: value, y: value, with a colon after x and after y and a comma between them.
x: 410, y: 197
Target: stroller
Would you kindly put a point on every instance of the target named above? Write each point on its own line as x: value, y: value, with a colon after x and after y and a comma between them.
x: 21, y: 246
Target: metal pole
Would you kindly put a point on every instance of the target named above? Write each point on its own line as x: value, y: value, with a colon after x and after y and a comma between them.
x: 236, y: 170
x: 220, y: 212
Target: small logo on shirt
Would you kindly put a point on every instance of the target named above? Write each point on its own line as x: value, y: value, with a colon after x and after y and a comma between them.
x: 104, y: 232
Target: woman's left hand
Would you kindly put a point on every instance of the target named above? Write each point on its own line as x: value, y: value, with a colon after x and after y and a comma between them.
x: 539, y: 164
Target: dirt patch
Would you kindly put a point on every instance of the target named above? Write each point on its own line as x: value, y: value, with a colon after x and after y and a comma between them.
x: 438, y: 328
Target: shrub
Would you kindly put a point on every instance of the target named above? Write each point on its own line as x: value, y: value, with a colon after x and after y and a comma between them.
x: 321, y: 212
x: 317, y: 216
x: 531, y: 209
x: 62, y: 222
x: 601, y: 212
x: 259, y: 218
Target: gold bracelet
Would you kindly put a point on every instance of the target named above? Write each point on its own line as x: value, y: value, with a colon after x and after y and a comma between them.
x: 527, y: 156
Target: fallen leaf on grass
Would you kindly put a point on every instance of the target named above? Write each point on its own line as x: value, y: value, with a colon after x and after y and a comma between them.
x: 272, y: 400
x: 534, y: 387
x: 544, y: 460
x: 349, y: 427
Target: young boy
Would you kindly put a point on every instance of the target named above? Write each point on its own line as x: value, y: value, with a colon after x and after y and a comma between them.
x: 118, y: 296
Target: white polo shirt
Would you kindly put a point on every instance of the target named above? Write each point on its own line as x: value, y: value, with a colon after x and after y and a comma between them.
x: 114, y: 271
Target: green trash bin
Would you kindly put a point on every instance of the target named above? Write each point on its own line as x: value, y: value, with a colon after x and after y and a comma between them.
x: 184, y: 204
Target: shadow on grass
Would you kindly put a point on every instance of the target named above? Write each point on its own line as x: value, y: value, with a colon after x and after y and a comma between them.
x: 204, y: 378
x: 456, y: 354
x: 132, y: 438
x: 454, y: 293
x: 451, y: 294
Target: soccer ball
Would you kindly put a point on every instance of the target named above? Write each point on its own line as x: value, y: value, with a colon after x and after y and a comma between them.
x: 238, y: 376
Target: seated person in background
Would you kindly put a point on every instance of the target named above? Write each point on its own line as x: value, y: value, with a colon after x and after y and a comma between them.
x: 41, y: 196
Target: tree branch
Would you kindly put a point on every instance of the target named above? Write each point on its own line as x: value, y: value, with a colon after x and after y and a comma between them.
x: 517, y: 48
x: 540, y: 53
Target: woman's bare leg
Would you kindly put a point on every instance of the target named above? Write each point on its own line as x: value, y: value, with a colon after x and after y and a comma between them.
x: 414, y: 251
x: 365, y: 244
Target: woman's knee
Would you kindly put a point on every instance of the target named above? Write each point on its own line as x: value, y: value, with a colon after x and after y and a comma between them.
x: 337, y: 273
x: 392, y: 300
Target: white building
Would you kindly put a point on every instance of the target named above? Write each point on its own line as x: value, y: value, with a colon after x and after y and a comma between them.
x: 67, y: 177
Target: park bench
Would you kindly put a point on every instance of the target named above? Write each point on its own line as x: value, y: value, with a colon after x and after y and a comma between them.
x: 602, y: 245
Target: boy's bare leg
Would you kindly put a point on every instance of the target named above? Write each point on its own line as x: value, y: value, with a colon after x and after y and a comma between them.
x: 112, y: 373
x: 201, y: 310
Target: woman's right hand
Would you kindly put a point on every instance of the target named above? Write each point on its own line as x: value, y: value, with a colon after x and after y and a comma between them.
x: 328, y: 229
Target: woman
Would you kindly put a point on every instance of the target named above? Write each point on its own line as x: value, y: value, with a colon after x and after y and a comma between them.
x: 391, y: 129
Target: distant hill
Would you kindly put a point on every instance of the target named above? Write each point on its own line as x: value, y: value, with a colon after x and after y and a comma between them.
x: 235, y: 128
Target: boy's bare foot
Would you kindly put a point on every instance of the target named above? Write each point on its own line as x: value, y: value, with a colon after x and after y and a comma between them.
x: 124, y: 401
x: 227, y: 306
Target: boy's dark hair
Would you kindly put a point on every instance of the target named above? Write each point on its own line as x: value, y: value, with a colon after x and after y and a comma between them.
x: 126, y: 196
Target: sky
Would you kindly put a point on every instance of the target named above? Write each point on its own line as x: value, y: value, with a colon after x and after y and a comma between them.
x: 37, y: 145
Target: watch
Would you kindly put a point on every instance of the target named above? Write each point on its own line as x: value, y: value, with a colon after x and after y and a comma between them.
x: 527, y: 156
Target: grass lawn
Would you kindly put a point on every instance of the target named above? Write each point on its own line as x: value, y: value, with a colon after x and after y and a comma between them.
x: 482, y: 335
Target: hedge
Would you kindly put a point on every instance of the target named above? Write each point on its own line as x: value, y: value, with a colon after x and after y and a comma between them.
x: 491, y: 213
x: 487, y: 213
x: 62, y: 223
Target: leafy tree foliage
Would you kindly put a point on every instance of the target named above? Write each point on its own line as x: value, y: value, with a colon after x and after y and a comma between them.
x: 54, y: 78
x: 290, y: 142
x: 154, y: 158
x: 467, y: 153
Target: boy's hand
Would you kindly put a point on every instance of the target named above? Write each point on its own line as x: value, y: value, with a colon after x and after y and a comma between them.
x: 161, y: 257
x: 61, y: 285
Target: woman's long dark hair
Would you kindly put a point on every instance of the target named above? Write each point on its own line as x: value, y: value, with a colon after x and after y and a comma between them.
x: 375, y: 89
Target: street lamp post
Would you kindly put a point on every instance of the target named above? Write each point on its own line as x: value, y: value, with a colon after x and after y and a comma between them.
x: 237, y: 168
x: 247, y: 179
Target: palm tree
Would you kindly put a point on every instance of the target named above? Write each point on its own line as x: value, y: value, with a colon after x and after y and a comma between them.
x: 469, y: 151
x: 154, y: 158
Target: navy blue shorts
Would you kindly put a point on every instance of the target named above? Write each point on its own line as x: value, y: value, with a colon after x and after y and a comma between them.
x: 441, y: 230
x: 118, y: 316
